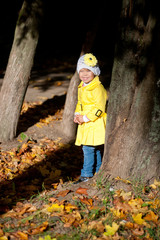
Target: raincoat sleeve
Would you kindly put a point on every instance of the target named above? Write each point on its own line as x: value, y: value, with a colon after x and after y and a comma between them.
x: 99, y: 98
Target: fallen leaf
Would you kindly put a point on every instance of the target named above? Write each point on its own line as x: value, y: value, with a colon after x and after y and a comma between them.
x: 123, y: 180
x: 155, y: 184
x: 111, y: 230
x: 68, y: 207
x: 55, y: 208
x: 126, y: 196
x: 138, y: 218
x: 55, y: 185
x: 22, y: 235
x: 47, y: 237
x: 87, y: 201
x: 82, y: 191
x: 1, y: 232
x: 138, y: 231
x: 63, y: 193
x: 151, y: 216
x: 119, y: 213
x: 129, y: 225
x: 23, y: 149
x: 122, y: 205
x: 38, y: 125
x: 3, y: 238
x: 38, y: 229
x: 52, y: 199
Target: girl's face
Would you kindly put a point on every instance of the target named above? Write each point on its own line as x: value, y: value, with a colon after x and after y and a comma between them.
x: 86, y: 75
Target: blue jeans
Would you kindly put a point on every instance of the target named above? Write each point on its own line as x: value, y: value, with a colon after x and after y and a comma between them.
x: 92, y: 160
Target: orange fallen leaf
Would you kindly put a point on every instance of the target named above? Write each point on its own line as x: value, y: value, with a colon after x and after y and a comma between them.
x: 23, y: 149
x: 39, y: 229
x: 87, y: 201
x: 151, y: 216
x: 82, y: 191
x: 22, y: 235
x: 52, y: 199
x: 129, y: 225
x: 68, y: 207
x: 63, y: 193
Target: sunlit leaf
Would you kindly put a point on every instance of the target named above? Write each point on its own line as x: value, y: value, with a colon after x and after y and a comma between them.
x: 68, y: 207
x: 138, y: 218
x: 48, y: 237
x: 87, y: 201
x: 55, y: 208
x: 22, y: 235
x: 151, y: 216
x: 119, y: 213
x: 82, y: 191
x: 111, y: 230
x: 155, y: 184
x: 39, y: 229
x: 123, y: 180
x: 3, y: 238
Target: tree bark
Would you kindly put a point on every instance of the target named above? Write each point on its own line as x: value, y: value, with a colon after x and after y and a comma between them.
x: 132, y: 147
x: 19, y: 66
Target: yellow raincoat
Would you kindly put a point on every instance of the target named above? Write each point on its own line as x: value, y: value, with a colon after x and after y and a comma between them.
x: 92, y: 103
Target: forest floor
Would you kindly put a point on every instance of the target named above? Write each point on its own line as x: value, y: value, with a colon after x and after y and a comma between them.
x: 38, y: 199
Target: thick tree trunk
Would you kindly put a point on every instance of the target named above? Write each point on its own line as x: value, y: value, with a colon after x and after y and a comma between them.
x: 19, y: 66
x: 132, y: 146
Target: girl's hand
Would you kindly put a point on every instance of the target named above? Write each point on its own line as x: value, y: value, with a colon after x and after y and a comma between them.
x: 75, y: 119
x: 78, y: 119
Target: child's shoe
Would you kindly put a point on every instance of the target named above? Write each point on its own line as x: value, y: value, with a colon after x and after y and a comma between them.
x: 82, y: 179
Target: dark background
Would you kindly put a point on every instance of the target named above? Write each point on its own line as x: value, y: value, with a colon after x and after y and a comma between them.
x: 63, y: 31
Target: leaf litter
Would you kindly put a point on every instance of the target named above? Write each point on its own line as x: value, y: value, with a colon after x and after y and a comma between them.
x: 38, y: 199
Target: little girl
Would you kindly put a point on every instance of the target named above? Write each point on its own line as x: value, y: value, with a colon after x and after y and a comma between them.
x: 90, y: 115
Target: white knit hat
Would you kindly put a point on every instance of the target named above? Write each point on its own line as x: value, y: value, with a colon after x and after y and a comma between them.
x: 90, y: 62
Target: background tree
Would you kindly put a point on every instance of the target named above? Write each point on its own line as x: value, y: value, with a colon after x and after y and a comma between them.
x: 68, y: 126
x: 19, y: 67
x: 133, y: 127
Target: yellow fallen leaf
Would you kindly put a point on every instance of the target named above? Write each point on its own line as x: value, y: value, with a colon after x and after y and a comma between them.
x: 138, y: 218
x: 3, y: 238
x: 22, y: 235
x: 123, y: 180
x: 111, y: 230
x: 137, y: 204
x: 119, y: 213
x: 47, y: 237
x: 155, y: 184
x: 55, y: 208
x: 38, y: 125
x: 69, y: 207
x: 125, y: 195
